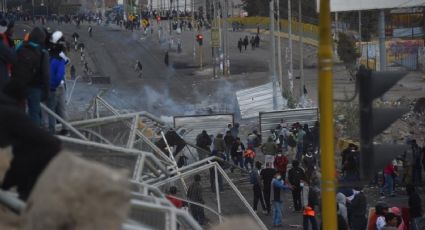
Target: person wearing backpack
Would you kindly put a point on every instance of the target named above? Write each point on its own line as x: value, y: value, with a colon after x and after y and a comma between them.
x: 295, y: 175
x: 255, y: 179
x: 32, y: 72
x: 56, y: 100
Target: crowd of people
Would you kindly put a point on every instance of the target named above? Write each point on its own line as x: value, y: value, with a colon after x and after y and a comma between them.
x: 254, y: 41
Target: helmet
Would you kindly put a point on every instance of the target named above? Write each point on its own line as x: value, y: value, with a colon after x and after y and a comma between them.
x: 56, y: 37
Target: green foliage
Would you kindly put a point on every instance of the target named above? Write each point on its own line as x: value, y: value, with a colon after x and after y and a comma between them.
x: 347, y: 51
x: 350, y: 113
x: 291, y: 100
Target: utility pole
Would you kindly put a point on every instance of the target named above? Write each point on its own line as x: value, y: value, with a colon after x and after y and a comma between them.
x: 291, y: 65
x: 360, y: 26
x: 300, y: 36
x: 273, y: 51
x: 327, y: 155
x: 382, y: 49
x: 279, y: 49
x: 226, y: 39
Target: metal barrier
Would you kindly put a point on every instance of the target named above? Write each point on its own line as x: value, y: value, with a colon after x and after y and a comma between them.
x: 270, y: 120
x: 193, y: 125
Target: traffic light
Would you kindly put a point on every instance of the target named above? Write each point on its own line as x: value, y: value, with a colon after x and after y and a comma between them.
x: 199, y: 38
x: 374, y: 157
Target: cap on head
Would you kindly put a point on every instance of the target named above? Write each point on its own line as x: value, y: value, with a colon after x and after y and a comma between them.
x: 56, y: 37
x: 4, y: 23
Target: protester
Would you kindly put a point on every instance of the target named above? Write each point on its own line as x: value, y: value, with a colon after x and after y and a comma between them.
x: 281, y: 163
x: 249, y: 157
x: 203, y: 141
x: 229, y: 141
x: 269, y: 150
x: 240, y: 43
x: 400, y: 222
x: 235, y: 130
x: 31, y: 71
x: 194, y: 193
x: 381, y: 210
x: 300, y: 143
x: 245, y: 42
x: 358, y: 209
x: 255, y: 179
x: 237, y: 152
x: 341, y: 200
x: 277, y: 185
x: 310, y: 205
x: 283, y: 136
x: 267, y: 175
x: 390, y: 222
x: 389, y: 171
x: 254, y: 139
x: 219, y: 144
x: 56, y: 100
x: 295, y: 175
x: 222, y: 158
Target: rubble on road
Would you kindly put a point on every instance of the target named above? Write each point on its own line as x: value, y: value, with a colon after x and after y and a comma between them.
x: 73, y: 193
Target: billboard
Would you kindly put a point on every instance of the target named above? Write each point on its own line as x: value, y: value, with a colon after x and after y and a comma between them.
x: 354, y: 5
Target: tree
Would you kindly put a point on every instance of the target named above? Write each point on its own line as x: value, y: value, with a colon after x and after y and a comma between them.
x: 348, y: 52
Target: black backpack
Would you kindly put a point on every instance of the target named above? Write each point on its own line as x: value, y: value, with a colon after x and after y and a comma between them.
x: 291, y: 141
x: 27, y: 68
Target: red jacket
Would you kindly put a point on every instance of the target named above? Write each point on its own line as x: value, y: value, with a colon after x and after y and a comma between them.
x: 178, y: 203
x: 389, y: 169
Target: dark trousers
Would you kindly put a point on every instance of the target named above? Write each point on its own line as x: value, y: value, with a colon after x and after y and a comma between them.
x: 296, y: 197
x: 312, y: 220
x: 358, y: 222
x: 212, y: 180
x: 249, y: 161
x: 266, y: 193
x: 258, y: 196
x: 238, y: 160
x: 198, y: 214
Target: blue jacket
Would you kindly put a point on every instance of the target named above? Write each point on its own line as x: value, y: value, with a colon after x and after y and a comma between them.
x: 57, y: 72
x: 277, y: 186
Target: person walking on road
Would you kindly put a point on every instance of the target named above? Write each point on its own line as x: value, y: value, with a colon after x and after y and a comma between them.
x: 194, y: 193
x: 267, y: 176
x: 138, y: 68
x: 269, y: 149
x: 240, y: 43
x: 90, y: 30
x: 252, y: 41
x: 295, y: 175
x: 277, y: 185
x: 229, y: 140
x: 166, y: 61
x: 310, y: 205
x: 245, y: 42
x: 255, y: 179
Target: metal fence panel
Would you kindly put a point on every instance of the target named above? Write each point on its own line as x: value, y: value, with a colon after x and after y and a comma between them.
x: 270, y: 120
x: 258, y: 99
x: 194, y: 125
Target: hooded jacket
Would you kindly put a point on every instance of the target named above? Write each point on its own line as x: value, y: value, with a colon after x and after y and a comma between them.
x: 37, y: 38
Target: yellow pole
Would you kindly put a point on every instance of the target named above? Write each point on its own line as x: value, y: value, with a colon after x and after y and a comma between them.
x: 329, y: 217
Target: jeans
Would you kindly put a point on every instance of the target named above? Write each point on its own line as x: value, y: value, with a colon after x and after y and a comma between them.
x: 312, y: 219
x: 238, y: 160
x: 56, y: 103
x: 197, y: 213
x: 249, y: 161
x: 34, y: 108
x: 388, y: 185
x: 277, y: 212
x: 300, y: 148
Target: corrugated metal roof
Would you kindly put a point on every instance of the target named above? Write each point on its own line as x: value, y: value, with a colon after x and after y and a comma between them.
x: 194, y: 125
x: 271, y: 120
x: 258, y: 99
